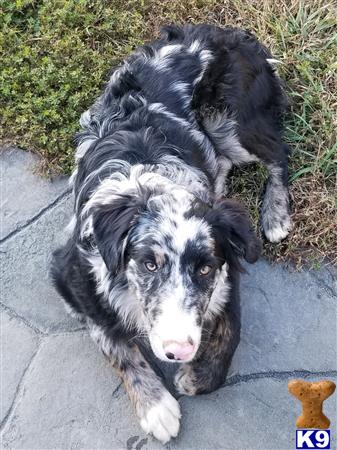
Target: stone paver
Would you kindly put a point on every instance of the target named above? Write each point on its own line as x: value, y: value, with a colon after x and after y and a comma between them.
x: 284, y: 317
x: 68, y: 401
x: 58, y: 392
x: 252, y: 415
x: 23, y: 192
x: 25, y: 261
x: 18, y: 345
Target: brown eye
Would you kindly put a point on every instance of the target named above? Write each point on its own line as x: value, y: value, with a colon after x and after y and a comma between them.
x: 151, y: 267
x: 205, y: 270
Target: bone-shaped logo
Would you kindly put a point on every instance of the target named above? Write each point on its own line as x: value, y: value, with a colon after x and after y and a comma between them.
x: 312, y: 396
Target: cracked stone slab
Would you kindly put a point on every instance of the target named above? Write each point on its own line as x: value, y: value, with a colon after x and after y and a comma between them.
x: 288, y: 322
x: 72, y: 399
x: 24, y: 193
x: 258, y: 414
x: 18, y: 345
x: 25, y: 261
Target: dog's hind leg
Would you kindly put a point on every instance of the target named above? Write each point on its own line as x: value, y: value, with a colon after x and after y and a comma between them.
x: 275, y: 213
x: 157, y: 410
x: 265, y: 143
x: 268, y: 150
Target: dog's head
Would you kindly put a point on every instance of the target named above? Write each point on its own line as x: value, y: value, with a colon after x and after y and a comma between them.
x: 175, y: 252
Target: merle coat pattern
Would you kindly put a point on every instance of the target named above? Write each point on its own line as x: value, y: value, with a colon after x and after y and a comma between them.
x: 153, y: 257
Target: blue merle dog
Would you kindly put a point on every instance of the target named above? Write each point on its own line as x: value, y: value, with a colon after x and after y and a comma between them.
x: 153, y: 257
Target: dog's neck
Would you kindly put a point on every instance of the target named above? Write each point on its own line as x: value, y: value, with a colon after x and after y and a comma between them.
x: 180, y: 174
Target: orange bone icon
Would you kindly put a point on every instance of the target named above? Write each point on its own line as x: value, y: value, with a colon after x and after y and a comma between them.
x: 312, y: 396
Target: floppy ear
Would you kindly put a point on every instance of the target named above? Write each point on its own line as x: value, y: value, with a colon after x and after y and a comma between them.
x: 233, y: 232
x: 112, y: 223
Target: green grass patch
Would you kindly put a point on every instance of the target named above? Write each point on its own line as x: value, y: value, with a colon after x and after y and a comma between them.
x: 58, y: 53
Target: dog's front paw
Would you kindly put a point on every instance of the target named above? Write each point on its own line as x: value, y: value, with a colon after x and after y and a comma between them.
x: 185, y: 380
x: 162, y: 419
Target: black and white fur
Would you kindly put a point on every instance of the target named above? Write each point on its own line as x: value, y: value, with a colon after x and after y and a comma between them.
x: 153, y: 258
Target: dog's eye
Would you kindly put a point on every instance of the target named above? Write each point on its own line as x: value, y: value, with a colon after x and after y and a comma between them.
x: 151, y: 267
x: 205, y: 270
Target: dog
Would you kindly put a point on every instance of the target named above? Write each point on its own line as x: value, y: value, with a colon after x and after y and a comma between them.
x: 154, y: 253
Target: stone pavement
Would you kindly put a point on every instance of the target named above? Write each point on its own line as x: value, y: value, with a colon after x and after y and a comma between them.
x: 58, y: 392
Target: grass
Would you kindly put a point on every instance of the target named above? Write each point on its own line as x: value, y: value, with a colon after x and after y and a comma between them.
x: 57, y: 54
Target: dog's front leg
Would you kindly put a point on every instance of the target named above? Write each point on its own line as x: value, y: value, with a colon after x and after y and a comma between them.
x: 157, y: 410
x: 208, y: 370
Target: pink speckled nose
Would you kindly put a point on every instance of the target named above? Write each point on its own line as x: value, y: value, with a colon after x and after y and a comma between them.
x: 181, y: 351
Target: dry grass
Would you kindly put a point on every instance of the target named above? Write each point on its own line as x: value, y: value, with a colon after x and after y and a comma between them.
x: 69, y: 45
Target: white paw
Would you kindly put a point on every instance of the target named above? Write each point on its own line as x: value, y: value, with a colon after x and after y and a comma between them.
x: 162, y: 420
x: 184, y: 382
x: 279, y: 231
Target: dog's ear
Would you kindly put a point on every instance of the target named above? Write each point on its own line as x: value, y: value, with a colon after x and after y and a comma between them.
x: 112, y: 224
x: 233, y: 232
